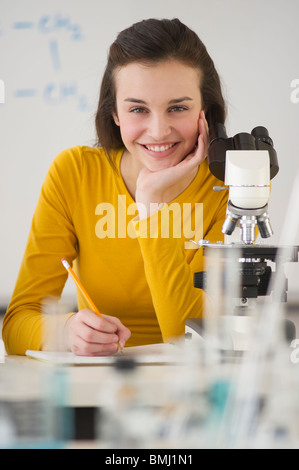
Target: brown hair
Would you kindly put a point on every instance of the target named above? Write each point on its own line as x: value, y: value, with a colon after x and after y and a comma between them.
x: 152, y: 41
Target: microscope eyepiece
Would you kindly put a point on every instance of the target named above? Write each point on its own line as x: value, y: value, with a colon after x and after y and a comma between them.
x: 258, y: 139
x: 220, y: 132
x: 261, y: 134
x: 244, y: 141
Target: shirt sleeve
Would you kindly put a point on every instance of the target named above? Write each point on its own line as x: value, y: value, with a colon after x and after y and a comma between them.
x: 170, y: 274
x: 52, y: 236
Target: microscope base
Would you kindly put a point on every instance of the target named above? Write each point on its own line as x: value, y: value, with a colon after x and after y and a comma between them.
x: 237, y: 332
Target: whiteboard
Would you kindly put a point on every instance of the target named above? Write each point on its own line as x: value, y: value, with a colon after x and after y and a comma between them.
x: 52, y: 56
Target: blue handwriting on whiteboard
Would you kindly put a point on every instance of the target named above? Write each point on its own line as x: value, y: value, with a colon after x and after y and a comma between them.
x: 23, y: 25
x: 54, y: 51
x: 51, y: 24
x: 58, y: 93
x: 25, y: 93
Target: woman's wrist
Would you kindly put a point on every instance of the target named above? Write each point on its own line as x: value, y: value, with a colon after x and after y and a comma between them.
x: 146, y: 207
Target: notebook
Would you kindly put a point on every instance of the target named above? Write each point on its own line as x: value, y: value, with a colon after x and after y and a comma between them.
x: 149, y: 354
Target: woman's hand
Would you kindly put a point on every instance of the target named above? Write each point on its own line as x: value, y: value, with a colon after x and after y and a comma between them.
x: 90, y: 335
x: 154, y: 188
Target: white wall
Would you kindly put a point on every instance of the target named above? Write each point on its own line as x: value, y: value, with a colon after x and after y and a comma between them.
x: 52, y: 55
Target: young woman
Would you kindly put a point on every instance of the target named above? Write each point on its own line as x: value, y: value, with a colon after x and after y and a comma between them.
x: 123, y: 212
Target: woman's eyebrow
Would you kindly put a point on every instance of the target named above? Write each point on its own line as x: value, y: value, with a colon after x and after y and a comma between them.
x: 174, y: 101
x: 179, y: 100
x: 135, y: 100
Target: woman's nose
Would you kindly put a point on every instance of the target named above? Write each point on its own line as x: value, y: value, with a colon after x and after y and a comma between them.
x: 159, y: 127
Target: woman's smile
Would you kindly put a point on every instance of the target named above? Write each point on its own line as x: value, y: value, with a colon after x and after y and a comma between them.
x: 160, y: 150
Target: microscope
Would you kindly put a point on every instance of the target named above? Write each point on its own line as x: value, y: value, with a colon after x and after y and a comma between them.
x: 246, y: 163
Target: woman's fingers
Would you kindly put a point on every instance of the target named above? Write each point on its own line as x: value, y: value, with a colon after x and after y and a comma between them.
x: 83, y: 348
x: 89, y: 334
x: 204, y: 129
x: 122, y: 331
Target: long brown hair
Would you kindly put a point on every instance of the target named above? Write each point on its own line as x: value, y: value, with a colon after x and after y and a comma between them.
x: 152, y: 41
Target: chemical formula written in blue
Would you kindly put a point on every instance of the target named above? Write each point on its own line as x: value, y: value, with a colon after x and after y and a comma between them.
x: 54, y: 27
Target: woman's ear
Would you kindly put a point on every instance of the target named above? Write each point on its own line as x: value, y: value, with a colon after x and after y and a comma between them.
x: 115, y: 118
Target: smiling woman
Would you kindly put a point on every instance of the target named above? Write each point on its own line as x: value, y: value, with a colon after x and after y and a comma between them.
x: 151, y: 42
x: 160, y: 100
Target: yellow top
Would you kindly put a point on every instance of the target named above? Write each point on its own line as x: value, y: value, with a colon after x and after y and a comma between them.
x: 141, y: 272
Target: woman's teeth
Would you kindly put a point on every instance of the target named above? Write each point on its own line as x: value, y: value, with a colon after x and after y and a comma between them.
x: 158, y: 148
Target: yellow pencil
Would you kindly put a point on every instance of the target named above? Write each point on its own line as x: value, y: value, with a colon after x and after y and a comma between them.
x: 83, y: 291
x: 80, y: 286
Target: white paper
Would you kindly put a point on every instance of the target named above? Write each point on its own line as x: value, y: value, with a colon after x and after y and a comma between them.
x: 148, y: 354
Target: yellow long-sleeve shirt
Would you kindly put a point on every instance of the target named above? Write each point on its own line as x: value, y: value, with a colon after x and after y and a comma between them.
x: 136, y: 271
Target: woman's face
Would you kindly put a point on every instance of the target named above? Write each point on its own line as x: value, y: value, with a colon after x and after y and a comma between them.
x: 157, y: 109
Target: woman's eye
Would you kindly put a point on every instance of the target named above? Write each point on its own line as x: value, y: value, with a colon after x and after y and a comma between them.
x: 177, y: 108
x: 138, y: 110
